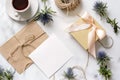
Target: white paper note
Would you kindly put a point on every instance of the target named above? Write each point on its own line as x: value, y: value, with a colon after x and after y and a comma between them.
x: 50, y: 56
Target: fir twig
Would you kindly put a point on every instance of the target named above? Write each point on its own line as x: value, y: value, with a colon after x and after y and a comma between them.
x: 101, y: 9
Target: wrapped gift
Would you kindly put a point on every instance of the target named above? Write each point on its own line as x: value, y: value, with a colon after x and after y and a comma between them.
x: 17, y: 49
x: 87, y: 31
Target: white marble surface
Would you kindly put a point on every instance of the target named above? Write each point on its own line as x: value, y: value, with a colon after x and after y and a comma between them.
x: 9, y: 27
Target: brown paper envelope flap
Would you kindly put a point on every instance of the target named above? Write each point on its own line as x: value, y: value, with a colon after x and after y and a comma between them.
x: 20, y: 37
x: 16, y: 50
x: 81, y: 36
x: 29, y: 30
x: 32, y: 29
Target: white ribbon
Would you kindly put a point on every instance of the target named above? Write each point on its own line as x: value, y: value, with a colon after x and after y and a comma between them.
x: 89, y: 22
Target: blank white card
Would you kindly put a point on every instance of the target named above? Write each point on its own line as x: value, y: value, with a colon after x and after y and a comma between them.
x: 50, y: 56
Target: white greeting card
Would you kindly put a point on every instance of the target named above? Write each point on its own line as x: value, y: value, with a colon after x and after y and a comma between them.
x: 50, y: 56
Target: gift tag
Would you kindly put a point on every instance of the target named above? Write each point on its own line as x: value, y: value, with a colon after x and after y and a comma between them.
x: 50, y: 56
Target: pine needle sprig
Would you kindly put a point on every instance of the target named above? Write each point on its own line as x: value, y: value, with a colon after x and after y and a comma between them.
x: 101, y: 9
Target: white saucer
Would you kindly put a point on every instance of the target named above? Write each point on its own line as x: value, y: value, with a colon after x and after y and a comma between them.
x: 25, y: 15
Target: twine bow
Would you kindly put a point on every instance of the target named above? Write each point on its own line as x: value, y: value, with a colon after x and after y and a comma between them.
x: 95, y: 31
x: 29, y: 39
x: 21, y: 46
x: 22, y: 55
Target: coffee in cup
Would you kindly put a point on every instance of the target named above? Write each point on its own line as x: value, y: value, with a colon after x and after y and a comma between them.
x: 20, y: 5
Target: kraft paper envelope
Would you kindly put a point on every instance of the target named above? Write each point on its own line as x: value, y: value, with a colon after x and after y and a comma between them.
x: 81, y: 36
x: 17, y: 49
x: 50, y: 56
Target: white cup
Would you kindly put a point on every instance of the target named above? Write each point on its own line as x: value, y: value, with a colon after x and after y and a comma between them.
x: 20, y: 5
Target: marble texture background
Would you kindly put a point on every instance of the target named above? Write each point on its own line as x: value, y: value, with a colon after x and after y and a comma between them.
x: 9, y: 27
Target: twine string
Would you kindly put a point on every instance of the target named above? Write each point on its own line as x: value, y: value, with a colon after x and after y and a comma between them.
x: 109, y: 46
x: 67, y: 5
x: 28, y: 40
